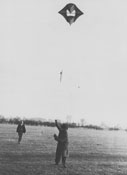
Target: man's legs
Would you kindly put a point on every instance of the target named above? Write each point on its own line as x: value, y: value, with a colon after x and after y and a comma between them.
x: 20, y: 137
x: 64, y: 156
x: 64, y: 162
x: 58, y: 154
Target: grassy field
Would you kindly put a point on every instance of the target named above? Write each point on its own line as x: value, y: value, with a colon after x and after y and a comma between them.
x: 91, y: 152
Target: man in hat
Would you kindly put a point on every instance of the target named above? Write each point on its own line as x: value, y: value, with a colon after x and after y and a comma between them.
x: 20, y: 130
x: 62, y: 143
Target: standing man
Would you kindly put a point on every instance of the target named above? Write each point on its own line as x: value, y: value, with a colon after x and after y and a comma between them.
x: 20, y: 130
x: 62, y: 143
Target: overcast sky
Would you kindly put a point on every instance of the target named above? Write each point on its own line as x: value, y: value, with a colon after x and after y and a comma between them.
x: 36, y: 43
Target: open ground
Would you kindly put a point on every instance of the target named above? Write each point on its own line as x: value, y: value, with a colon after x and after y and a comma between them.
x: 91, y: 152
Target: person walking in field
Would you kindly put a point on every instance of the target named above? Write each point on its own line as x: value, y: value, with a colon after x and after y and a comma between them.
x: 62, y: 143
x: 20, y: 130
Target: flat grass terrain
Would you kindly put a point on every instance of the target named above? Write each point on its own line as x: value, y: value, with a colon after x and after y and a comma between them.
x: 91, y: 152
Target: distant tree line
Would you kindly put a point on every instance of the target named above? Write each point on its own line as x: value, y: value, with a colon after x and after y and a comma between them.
x: 35, y: 122
x: 114, y: 128
x: 93, y: 127
x: 32, y: 122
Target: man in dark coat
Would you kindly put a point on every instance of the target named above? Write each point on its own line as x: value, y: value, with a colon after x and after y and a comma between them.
x: 20, y: 130
x: 62, y: 143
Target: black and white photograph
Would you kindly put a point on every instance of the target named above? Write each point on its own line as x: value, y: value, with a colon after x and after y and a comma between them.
x: 63, y: 87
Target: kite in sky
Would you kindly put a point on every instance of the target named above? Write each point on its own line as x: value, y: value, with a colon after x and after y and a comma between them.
x: 61, y: 73
x: 71, y: 12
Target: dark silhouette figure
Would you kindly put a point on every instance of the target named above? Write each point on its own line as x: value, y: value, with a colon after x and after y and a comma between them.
x: 20, y: 130
x: 62, y: 143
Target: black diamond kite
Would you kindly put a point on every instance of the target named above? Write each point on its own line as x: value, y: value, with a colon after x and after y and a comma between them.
x: 70, y: 12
